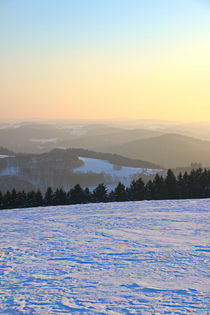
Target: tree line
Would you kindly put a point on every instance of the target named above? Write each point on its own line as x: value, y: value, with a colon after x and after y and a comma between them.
x: 195, y: 184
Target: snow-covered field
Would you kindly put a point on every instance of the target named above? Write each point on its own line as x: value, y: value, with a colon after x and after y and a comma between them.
x: 122, y: 173
x: 148, y: 257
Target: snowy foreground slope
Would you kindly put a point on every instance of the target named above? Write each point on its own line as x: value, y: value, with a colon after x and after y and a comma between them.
x: 148, y: 257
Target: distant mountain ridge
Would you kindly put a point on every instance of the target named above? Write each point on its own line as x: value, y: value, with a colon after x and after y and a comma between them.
x: 159, y: 146
x: 170, y: 150
x: 40, y: 138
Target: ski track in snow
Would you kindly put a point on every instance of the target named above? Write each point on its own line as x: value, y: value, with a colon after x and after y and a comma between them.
x: 149, y: 257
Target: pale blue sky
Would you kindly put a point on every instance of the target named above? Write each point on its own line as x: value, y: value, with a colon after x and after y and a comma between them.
x: 43, y: 25
x: 116, y: 54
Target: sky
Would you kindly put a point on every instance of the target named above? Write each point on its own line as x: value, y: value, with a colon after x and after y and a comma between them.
x: 105, y: 59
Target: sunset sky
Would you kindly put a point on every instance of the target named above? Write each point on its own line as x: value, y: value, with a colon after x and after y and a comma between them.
x: 98, y: 59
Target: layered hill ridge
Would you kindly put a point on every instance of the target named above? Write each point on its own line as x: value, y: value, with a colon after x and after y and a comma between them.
x: 158, y: 145
x: 68, y: 167
x: 170, y: 150
x: 40, y: 138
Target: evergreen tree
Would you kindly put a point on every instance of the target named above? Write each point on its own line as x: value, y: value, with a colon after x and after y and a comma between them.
x: 180, y: 187
x: 195, y: 179
x: 149, y: 190
x: 137, y: 190
x: 60, y: 197
x: 88, y: 195
x: 206, y: 183
x: 1, y: 201
x: 185, y: 186
x: 77, y: 195
x: 39, y: 198
x: 13, y: 199
x: 100, y: 194
x: 31, y: 199
x: 111, y: 196
x: 7, y: 200
x: 48, y: 198
x: 158, y: 187
x: 120, y: 193
x: 171, y: 191
x: 21, y: 199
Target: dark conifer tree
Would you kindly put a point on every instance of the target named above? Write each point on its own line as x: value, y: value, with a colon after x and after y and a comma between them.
x: 31, y: 199
x: 171, y: 191
x: 158, y: 187
x: 88, y: 195
x: 60, y: 197
x: 180, y: 187
x: 204, y: 180
x: 14, y: 199
x: 206, y: 183
x: 48, y: 198
x: 21, y: 199
x: 77, y: 195
x: 111, y: 196
x: 120, y: 193
x: 56, y: 198
x: 149, y: 190
x: 195, y: 180
x: 100, y: 193
x: 39, y: 198
x: 185, y: 186
x: 137, y: 190
x: 7, y: 200
x: 1, y: 201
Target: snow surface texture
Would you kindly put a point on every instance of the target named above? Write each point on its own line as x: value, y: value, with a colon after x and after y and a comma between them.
x: 118, y: 173
x: 148, y: 257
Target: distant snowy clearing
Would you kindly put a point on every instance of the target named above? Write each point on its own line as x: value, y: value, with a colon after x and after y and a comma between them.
x: 43, y: 141
x: 118, y: 173
x: 149, y: 257
x: 4, y: 156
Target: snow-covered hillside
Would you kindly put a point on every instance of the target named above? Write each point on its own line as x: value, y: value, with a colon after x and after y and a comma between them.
x: 117, y: 173
x: 148, y: 257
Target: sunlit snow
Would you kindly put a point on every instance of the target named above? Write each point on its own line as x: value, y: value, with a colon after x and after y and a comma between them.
x: 148, y: 257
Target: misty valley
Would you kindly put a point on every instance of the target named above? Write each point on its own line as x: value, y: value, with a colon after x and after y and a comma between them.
x: 37, y: 155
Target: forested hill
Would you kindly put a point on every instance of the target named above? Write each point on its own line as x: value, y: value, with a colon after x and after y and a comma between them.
x: 74, y: 154
x: 67, y: 167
